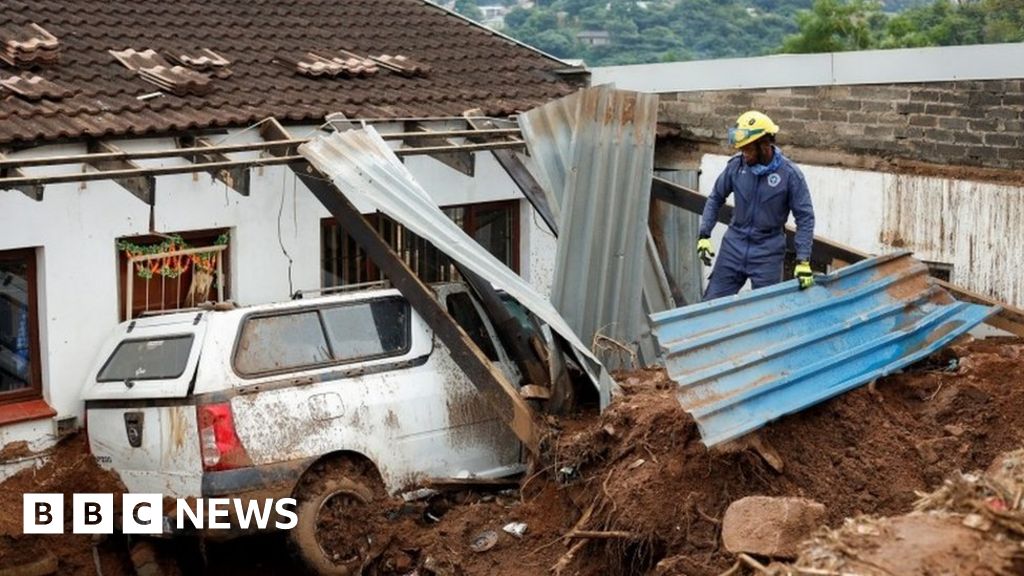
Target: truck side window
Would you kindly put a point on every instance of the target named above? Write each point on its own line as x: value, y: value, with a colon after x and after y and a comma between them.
x: 368, y: 329
x: 147, y: 359
x: 273, y: 343
x: 460, y: 306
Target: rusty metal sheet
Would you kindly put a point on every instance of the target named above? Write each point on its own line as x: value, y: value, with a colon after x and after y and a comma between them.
x: 361, y: 163
x: 974, y: 227
x: 745, y: 360
x: 595, y: 152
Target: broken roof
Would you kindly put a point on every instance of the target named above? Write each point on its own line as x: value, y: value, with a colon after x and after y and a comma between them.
x: 460, y: 65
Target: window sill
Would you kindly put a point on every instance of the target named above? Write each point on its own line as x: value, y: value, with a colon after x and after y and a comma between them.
x: 25, y: 411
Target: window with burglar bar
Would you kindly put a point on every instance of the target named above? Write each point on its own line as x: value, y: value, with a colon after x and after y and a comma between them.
x: 172, y: 271
x: 495, y: 225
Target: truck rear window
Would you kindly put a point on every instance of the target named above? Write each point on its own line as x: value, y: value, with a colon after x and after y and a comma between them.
x: 147, y: 359
x: 321, y: 337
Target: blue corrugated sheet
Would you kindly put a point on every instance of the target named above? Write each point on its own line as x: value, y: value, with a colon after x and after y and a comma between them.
x: 743, y: 361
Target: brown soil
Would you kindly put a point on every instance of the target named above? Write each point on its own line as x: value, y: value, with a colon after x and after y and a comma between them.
x: 641, y: 469
x: 69, y: 469
x: 917, y: 545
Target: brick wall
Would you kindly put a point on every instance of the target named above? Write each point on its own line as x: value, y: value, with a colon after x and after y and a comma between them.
x: 969, y: 123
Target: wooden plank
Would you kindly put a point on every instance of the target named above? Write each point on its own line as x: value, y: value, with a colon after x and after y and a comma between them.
x: 516, y: 170
x: 495, y: 389
x: 33, y: 191
x: 236, y: 178
x: 1010, y: 318
x: 142, y: 187
x: 464, y: 162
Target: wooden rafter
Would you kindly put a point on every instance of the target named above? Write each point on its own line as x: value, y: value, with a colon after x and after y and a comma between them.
x: 495, y: 389
x: 33, y: 191
x: 464, y: 162
x: 235, y: 178
x: 142, y: 186
x: 516, y: 170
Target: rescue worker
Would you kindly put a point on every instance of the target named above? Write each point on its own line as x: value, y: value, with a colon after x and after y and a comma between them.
x: 768, y: 186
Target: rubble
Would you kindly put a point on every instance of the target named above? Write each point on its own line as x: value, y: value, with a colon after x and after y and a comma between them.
x: 591, y: 512
x: 772, y: 527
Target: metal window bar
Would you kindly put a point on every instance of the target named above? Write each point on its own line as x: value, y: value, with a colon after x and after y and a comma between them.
x: 130, y: 276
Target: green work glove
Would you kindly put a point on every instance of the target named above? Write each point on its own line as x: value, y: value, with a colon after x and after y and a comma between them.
x: 704, y: 250
x: 804, y: 274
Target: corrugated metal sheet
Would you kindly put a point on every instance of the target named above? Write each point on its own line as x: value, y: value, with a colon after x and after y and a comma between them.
x: 595, y: 149
x: 743, y: 361
x: 678, y: 230
x: 548, y: 132
x: 363, y: 166
x: 975, y: 228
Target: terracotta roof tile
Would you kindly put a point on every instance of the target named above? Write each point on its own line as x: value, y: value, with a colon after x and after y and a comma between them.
x: 461, y: 66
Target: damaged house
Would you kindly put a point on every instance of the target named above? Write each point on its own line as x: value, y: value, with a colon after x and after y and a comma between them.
x: 118, y: 82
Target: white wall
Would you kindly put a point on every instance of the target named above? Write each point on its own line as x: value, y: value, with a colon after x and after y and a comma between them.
x: 76, y: 225
x: 976, y: 227
x: 938, y: 64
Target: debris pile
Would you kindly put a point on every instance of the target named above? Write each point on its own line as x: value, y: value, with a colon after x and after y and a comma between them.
x: 634, y: 491
x: 974, y: 522
x: 69, y: 469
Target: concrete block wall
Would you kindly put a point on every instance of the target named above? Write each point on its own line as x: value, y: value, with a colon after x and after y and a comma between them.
x: 968, y: 123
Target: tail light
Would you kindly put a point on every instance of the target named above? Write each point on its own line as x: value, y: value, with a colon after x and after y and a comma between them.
x: 219, y: 444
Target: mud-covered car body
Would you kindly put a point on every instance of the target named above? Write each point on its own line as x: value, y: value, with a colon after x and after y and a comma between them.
x: 240, y: 403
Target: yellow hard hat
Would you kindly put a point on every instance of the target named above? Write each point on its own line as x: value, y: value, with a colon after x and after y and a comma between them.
x: 749, y: 127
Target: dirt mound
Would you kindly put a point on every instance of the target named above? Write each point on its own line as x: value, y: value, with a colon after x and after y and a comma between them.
x: 919, y: 544
x: 972, y: 524
x: 68, y: 469
x: 640, y: 477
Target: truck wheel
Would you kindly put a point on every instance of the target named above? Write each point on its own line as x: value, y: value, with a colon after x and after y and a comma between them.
x: 336, y: 533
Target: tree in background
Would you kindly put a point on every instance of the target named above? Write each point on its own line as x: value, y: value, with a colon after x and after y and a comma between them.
x: 965, y: 22
x: 469, y: 9
x: 836, y: 26
x: 672, y: 30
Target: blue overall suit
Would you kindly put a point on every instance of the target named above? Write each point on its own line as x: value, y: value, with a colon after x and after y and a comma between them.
x: 754, y: 246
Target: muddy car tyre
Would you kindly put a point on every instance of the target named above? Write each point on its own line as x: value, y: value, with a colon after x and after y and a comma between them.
x: 334, y: 481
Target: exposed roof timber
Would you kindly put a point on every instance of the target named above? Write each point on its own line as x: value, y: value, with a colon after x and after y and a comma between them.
x: 1009, y: 318
x: 6, y: 163
x: 495, y: 389
x: 236, y: 178
x: 515, y: 168
x: 140, y: 184
x: 460, y: 161
x: 6, y: 183
x: 33, y: 191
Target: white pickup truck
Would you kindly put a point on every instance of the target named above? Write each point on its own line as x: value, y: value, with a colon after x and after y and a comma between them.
x: 332, y: 400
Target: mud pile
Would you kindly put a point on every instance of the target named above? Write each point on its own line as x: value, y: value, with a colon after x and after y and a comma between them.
x: 973, y: 524
x: 69, y: 469
x: 634, y: 487
x: 639, y: 476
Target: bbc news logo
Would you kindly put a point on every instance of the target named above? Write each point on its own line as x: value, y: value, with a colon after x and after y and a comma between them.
x: 143, y: 514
